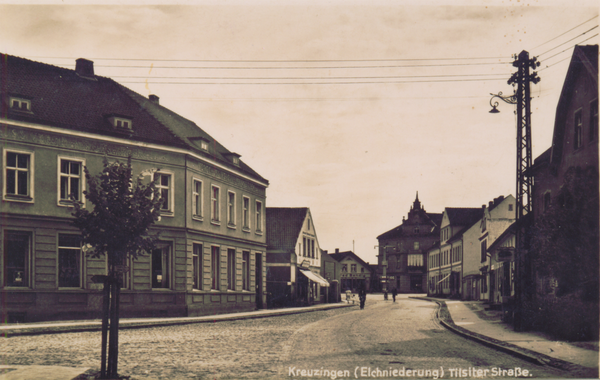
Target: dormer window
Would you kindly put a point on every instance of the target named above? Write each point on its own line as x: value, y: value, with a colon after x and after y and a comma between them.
x: 20, y: 104
x: 200, y: 142
x: 120, y: 122
x: 233, y: 157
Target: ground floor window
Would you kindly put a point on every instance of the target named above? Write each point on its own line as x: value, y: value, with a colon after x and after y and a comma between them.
x: 161, y: 268
x: 17, y: 257
x: 215, y: 267
x: 246, y: 270
x: 231, y: 269
x: 197, y: 266
x: 70, y: 261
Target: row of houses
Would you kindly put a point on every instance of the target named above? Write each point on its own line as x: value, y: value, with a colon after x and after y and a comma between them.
x: 221, y: 249
x: 471, y: 253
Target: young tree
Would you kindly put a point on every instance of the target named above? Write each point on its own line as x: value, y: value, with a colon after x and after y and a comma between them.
x: 118, y: 227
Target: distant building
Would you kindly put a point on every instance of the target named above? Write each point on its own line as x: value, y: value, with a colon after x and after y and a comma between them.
x: 54, y: 122
x: 293, y: 258
x: 331, y: 270
x: 445, y: 258
x: 405, y: 250
x: 355, y: 272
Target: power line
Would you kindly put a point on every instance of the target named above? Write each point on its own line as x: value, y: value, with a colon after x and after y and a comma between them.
x: 297, y: 67
x: 595, y: 35
x: 316, y: 83
x: 565, y: 32
x: 312, y: 78
x: 589, y: 30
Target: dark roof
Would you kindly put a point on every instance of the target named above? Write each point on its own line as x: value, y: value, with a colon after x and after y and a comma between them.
x: 62, y: 98
x: 396, y: 232
x: 463, y: 216
x: 283, y: 227
x: 339, y: 256
x: 584, y: 60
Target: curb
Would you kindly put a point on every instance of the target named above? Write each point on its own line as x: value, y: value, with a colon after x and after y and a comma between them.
x: 124, y: 324
x: 444, y: 317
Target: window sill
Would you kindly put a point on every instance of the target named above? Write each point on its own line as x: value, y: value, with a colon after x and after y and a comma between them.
x: 17, y: 288
x: 246, y: 229
x: 168, y: 214
x: 260, y: 233
x: 215, y: 222
x: 161, y: 289
x: 18, y: 198
x: 231, y: 226
x: 197, y: 218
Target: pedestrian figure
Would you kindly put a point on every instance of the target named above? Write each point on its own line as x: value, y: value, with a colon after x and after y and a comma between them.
x: 385, y: 297
x: 394, y: 294
x: 362, y: 295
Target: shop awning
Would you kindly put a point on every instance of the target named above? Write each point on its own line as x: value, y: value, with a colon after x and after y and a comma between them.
x: 315, y: 277
x: 444, y: 278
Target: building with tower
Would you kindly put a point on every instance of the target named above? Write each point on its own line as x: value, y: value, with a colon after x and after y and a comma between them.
x: 403, y: 250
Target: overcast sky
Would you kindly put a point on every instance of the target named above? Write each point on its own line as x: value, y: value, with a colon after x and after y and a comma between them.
x: 346, y: 107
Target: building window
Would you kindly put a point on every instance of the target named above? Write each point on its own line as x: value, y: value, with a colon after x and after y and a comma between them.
x: 161, y: 268
x: 483, y: 251
x: 71, y: 180
x: 259, y: 213
x: 18, y: 174
x: 215, y: 267
x: 312, y: 248
x: 214, y: 201
x: 20, y: 104
x: 415, y: 260
x: 197, y: 198
x: 245, y: 270
x: 308, y: 223
x: 230, y: 208
x: 416, y: 246
x: 353, y: 268
x: 304, y: 246
x: 204, y: 145
x: 197, y: 266
x: 17, y: 258
x: 246, y: 212
x: 345, y: 268
x: 362, y: 270
x: 163, y: 184
x: 593, y: 130
x: 510, y: 207
x: 577, y: 125
x: 70, y: 261
x: 231, y: 269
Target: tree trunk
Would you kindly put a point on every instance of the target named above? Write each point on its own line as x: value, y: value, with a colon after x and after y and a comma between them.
x: 105, y: 313
x: 113, y: 345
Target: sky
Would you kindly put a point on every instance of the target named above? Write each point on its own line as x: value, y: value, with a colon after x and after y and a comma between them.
x: 346, y: 107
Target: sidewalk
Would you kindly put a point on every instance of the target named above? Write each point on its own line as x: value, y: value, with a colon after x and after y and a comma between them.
x: 472, y: 320
x: 39, y: 328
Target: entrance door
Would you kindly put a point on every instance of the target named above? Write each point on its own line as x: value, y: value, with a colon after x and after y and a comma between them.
x: 258, y: 275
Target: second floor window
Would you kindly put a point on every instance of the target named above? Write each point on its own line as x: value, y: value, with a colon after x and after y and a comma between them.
x: 345, y: 268
x: 231, y: 209
x: 197, y: 198
x: 353, y: 268
x: 70, y: 180
x: 259, y: 212
x: 245, y: 212
x: 163, y: 183
x: 416, y: 246
x: 214, y: 201
x: 18, y: 174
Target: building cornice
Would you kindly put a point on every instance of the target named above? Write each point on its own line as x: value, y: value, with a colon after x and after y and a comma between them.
x: 121, y: 141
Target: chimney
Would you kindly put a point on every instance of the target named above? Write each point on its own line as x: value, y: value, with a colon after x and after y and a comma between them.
x: 491, y: 204
x: 84, y: 67
x: 154, y: 99
x: 337, y: 250
x: 324, y: 251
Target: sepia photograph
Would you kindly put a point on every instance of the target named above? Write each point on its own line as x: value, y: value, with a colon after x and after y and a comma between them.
x: 323, y: 189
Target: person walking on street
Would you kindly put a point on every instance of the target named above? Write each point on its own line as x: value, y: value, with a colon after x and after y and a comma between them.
x: 394, y: 294
x: 362, y: 295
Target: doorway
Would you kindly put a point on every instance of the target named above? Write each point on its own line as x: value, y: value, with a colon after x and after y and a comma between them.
x: 258, y: 275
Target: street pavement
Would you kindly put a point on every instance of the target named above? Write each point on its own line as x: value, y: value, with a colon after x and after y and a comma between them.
x: 469, y: 319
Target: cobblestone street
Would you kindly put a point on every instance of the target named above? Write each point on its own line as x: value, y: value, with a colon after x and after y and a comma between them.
x: 249, y: 348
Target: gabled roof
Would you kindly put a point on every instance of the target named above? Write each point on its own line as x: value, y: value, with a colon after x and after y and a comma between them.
x: 64, y: 99
x: 283, y: 227
x: 339, y: 256
x: 584, y: 60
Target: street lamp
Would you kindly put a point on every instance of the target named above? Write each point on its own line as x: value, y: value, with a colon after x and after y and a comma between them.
x: 507, y: 99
